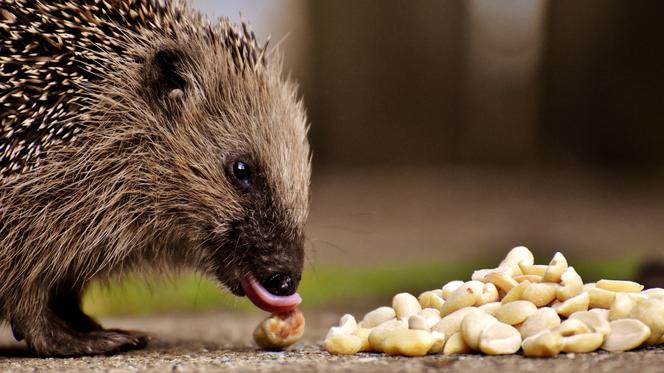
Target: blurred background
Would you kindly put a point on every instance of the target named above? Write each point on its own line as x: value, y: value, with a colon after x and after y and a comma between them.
x: 446, y: 132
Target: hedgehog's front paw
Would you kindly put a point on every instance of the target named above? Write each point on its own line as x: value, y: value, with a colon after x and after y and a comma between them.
x: 57, y: 339
x: 93, y: 343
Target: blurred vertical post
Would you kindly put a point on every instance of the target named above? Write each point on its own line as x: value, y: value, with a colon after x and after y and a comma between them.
x: 504, y: 47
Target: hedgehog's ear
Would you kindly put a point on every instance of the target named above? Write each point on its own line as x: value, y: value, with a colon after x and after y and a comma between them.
x: 165, y: 82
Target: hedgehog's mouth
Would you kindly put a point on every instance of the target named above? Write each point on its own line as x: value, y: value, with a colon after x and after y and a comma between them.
x: 262, y: 298
x: 265, y: 300
x: 269, y: 284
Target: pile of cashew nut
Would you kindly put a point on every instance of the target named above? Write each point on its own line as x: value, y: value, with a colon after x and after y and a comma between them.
x: 541, y: 309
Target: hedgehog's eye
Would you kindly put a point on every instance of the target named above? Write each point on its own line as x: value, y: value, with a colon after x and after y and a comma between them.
x: 242, y: 173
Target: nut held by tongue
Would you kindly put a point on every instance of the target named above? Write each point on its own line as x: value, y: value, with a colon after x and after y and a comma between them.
x: 285, y: 326
x: 280, y: 330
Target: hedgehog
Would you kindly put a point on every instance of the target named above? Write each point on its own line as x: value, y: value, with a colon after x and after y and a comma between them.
x: 139, y: 136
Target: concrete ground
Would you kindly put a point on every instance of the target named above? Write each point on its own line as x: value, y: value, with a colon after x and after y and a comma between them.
x: 222, y: 342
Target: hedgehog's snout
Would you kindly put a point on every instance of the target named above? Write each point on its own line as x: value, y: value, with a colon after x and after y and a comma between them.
x: 278, y: 267
x: 281, y: 283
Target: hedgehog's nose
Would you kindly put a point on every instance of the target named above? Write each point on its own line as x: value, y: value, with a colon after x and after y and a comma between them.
x: 281, y: 284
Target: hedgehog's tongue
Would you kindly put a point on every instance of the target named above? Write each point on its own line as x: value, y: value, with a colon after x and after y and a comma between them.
x: 267, y: 301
